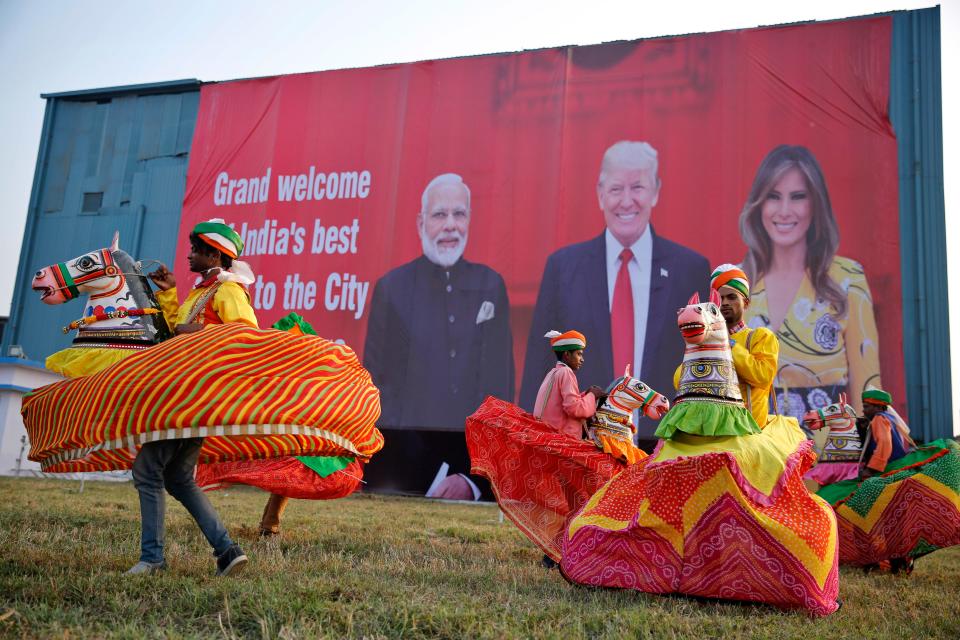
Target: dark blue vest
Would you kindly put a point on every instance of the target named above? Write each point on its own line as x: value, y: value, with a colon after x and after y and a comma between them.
x: 899, y: 448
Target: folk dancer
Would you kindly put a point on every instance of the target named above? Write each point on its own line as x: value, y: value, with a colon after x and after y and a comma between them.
x: 889, y: 438
x: 219, y: 297
x: 754, y: 351
x: 559, y: 400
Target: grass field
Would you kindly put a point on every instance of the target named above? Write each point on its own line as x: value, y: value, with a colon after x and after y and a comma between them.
x: 371, y: 566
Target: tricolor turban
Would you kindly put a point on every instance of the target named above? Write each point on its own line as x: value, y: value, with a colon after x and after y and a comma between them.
x: 730, y: 275
x: 218, y: 235
x: 566, y: 341
x: 877, y: 396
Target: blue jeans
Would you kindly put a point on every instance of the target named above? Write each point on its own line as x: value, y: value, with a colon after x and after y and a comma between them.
x: 169, y: 464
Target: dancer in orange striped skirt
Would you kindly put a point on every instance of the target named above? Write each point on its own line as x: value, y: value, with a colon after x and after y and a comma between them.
x: 280, y: 410
x: 219, y: 298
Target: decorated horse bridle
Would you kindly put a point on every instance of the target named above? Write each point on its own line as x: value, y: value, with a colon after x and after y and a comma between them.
x: 839, y: 416
x: 69, y: 287
x: 68, y: 284
x: 622, y: 386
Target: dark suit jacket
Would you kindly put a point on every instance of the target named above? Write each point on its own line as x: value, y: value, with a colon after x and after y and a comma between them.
x: 432, y: 361
x: 573, y: 295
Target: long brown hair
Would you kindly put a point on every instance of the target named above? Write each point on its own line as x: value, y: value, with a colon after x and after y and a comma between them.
x: 823, y: 236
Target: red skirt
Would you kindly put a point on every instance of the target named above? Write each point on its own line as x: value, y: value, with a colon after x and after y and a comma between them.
x: 287, y: 477
x: 539, y: 476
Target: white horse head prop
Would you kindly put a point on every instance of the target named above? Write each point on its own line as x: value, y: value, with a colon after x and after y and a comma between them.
x: 611, y: 428
x: 119, y: 299
x: 835, y: 431
x: 627, y: 394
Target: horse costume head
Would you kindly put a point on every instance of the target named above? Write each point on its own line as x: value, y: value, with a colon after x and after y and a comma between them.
x: 611, y: 428
x: 835, y: 437
x: 120, y: 302
x: 839, y: 415
x: 626, y: 394
x: 702, y: 322
x: 708, y: 400
x: 707, y: 372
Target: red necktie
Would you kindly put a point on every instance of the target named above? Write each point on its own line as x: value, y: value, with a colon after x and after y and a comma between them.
x: 621, y: 317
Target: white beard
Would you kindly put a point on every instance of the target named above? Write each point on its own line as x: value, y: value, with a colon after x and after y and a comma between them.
x: 440, y: 256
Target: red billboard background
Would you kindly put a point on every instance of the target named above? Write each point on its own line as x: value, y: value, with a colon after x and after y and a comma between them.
x: 527, y: 132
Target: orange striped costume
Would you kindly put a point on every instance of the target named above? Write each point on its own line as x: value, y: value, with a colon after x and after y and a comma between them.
x: 251, y: 393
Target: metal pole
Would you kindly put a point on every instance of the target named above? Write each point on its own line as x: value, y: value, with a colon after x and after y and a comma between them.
x: 23, y: 447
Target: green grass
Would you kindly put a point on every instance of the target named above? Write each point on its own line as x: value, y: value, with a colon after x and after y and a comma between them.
x: 371, y: 566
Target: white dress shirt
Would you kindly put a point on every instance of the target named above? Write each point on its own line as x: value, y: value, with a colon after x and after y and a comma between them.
x: 639, y: 270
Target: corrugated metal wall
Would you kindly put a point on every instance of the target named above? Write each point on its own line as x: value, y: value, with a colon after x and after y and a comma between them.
x: 114, y: 160
x: 916, y: 112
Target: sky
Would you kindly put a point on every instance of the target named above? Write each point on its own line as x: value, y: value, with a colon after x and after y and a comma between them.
x: 54, y: 45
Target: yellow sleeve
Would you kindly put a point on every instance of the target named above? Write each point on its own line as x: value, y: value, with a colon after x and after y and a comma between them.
x: 169, y: 305
x: 860, y: 338
x: 676, y: 377
x: 758, y: 366
x: 231, y: 303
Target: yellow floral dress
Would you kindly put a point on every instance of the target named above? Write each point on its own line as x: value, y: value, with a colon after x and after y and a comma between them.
x: 822, y: 355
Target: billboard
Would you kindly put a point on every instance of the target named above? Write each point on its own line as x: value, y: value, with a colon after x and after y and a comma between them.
x: 769, y: 147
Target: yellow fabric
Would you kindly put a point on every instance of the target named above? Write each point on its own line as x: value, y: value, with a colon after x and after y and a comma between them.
x: 74, y: 362
x: 761, y: 457
x: 755, y: 368
x: 815, y: 351
x: 231, y: 303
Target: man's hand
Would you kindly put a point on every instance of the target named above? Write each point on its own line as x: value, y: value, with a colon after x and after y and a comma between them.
x: 163, y: 278
x: 193, y: 327
x: 598, y: 393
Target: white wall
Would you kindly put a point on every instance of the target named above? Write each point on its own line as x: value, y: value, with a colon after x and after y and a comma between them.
x: 17, y: 377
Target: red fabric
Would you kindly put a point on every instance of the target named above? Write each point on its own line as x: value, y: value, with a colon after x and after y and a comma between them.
x: 541, y: 478
x: 287, y: 477
x: 621, y: 315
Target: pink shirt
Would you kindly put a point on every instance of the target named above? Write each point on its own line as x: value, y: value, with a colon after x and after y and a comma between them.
x: 564, y: 408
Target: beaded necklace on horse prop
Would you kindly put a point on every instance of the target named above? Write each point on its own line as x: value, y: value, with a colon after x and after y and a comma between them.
x: 909, y: 510
x: 719, y: 509
x: 121, y: 314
